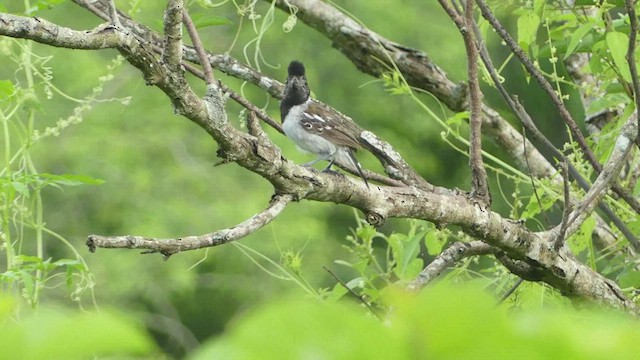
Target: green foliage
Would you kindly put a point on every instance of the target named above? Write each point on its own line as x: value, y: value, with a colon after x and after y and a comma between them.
x: 24, y: 234
x: 63, y: 334
x: 443, y: 322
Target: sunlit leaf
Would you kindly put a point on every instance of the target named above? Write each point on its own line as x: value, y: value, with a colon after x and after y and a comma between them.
x: 528, y: 25
x: 617, y: 43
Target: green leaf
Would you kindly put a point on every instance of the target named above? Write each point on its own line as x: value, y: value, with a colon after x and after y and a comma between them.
x: 396, y: 242
x: 27, y: 282
x: 337, y: 292
x: 533, y: 207
x: 581, y: 239
x: 201, y: 20
x: 609, y: 100
x: 6, y: 88
x: 458, y: 118
x: 629, y: 279
x: 20, y: 188
x: 412, y: 248
x: 528, y: 25
x: 617, y: 43
x: 434, y: 242
x: 577, y: 37
x: 413, y: 268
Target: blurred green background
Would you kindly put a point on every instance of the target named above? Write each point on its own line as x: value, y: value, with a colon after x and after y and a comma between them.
x: 159, y: 173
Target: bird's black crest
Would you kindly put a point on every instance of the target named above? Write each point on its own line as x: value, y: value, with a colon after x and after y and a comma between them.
x: 296, y: 68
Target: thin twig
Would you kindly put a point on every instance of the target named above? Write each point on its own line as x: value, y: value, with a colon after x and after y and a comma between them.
x: 607, y: 177
x: 525, y: 119
x: 542, y: 81
x: 479, y: 183
x: 232, y: 94
x: 352, y: 292
x: 559, y: 241
x: 479, y: 174
x: 197, y: 45
x: 511, y: 290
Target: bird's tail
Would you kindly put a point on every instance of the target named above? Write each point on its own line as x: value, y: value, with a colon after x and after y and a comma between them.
x: 353, y: 162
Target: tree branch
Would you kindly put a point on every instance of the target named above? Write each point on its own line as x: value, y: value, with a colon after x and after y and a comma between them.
x: 197, y: 45
x: 45, y: 32
x: 566, y: 211
x: 479, y: 183
x: 610, y: 171
x: 168, y: 247
x: 113, y: 14
x: 172, y: 46
x: 447, y: 258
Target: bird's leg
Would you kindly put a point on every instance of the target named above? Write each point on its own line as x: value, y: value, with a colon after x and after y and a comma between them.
x: 328, y: 168
x: 310, y: 163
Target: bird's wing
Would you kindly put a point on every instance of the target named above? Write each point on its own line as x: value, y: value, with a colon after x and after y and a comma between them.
x: 320, y: 121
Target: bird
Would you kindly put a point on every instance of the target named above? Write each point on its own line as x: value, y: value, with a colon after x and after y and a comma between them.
x: 313, y: 128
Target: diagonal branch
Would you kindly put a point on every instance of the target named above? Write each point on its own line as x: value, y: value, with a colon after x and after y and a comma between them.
x: 447, y: 258
x: 197, y: 45
x: 168, y: 247
x: 568, y: 206
x: 610, y: 171
x: 562, y: 109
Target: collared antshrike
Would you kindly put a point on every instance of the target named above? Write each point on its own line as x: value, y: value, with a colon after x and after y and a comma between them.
x: 312, y: 128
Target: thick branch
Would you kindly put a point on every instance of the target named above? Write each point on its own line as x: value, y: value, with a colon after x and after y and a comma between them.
x: 168, y: 247
x: 47, y: 33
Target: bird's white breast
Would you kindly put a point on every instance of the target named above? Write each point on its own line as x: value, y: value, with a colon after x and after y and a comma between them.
x: 302, y: 138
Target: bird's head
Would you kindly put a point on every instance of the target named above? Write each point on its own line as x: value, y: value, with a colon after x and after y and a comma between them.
x: 296, y: 90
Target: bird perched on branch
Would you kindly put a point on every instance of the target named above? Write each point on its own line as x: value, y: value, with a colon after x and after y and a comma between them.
x: 313, y: 129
